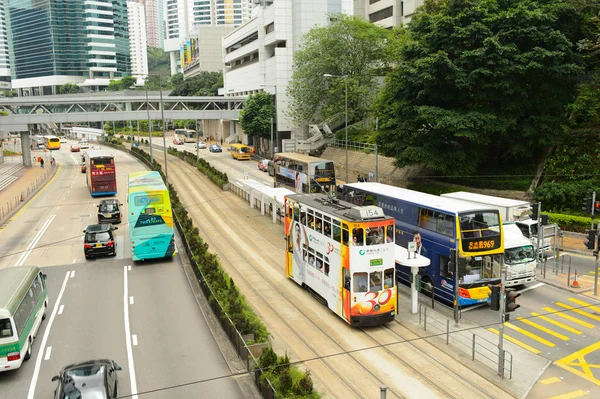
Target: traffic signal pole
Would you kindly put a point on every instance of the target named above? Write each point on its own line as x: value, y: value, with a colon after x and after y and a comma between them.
x: 593, y: 207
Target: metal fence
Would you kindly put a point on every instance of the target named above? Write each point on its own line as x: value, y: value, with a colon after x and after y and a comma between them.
x: 246, y: 352
x: 479, y: 348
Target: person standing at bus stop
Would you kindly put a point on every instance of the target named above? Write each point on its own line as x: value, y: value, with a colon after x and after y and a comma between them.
x: 42, y: 162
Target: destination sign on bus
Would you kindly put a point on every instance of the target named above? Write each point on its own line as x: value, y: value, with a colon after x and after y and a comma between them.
x: 481, y: 244
x: 376, y: 262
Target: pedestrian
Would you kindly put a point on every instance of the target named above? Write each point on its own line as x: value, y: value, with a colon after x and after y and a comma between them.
x: 32, y: 147
x: 42, y: 162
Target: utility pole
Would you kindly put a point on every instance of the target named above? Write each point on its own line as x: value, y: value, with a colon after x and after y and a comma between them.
x: 455, y: 255
x: 501, y: 327
x: 162, y: 113
x: 593, y: 206
x: 539, y: 235
x: 149, y: 124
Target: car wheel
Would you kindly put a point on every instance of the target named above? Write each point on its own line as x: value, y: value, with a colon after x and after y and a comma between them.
x: 28, y: 354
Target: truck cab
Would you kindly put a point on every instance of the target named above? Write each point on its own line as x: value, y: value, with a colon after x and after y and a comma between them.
x: 529, y: 228
x: 519, y: 256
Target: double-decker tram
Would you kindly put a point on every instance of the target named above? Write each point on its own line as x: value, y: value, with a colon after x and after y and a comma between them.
x: 304, y: 173
x: 444, y: 225
x: 101, y: 174
x: 344, y: 254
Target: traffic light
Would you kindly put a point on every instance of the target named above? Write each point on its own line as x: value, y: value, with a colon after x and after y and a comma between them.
x: 596, y: 207
x: 590, y: 241
x: 587, y: 206
x: 534, y: 211
x: 511, y: 300
x: 494, y: 297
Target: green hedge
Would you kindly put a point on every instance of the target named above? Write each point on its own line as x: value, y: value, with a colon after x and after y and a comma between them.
x: 288, y: 381
x: 215, y: 175
x: 572, y: 223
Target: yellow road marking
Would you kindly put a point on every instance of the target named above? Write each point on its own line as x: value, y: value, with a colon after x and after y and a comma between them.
x: 516, y: 342
x: 568, y: 317
x: 29, y: 201
x: 577, y: 359
x: 550, y: 380
x: 586, y: 276
x: 582, y: 303
x: 544, y: 329
x: 578, y: 311
x: 556, y: 323
x: 571, y: 395
x: 530, y: 335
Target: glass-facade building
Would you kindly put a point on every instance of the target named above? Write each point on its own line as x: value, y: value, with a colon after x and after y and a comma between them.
x: 88, y: 39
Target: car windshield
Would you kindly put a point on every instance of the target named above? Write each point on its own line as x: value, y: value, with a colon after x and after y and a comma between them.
x: 108, y: 208
x: 514, y: 256
x: 84, y: 382
x: 101, y: 236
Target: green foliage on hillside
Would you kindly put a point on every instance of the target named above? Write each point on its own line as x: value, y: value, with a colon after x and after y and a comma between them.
x: 481, y: 82
x: 203, y: 84
x: 158, y: 62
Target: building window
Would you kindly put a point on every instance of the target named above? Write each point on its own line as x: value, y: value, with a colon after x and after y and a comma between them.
x: 374, y: 1
x: 270, y: 28
x: 381, y: 14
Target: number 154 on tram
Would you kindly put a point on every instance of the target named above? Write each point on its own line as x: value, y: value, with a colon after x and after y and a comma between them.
x: 345, y: 254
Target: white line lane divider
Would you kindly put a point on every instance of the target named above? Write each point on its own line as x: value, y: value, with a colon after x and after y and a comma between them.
x: 38, y: 360
x: 60, y: 310
x: 132, y: 378
x: 33, y: 243
x: 48, y: 352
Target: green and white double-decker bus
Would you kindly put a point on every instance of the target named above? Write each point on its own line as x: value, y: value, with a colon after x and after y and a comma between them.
x: 23, y: 305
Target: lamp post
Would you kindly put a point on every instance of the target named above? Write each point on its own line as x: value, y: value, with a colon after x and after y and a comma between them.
x: 149, y: 124
x: 327, y: 75
x: 162, y: 113
x: 275, y: 101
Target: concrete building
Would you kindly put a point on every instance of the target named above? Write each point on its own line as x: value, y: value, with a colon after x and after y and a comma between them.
x: 4, y: 55
x: 52, y: 43
x: 387, y: 13
x: 155, y: 23
x: 137, y: 39
x: 259, y: 54
x: 206, y: 50
x: 182, y: 15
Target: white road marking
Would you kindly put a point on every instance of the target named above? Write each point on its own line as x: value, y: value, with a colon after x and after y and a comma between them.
x: 38, y: 362
x: 129, y: 267
x: 131, y: 300
x: 73, y: 274
x: 128, y: 339
x: 538, y: 285
x: 60, y: 310
x: 33, y: 243
x: 134, y: 339
x: 48, y: 352
x: 74, y: 259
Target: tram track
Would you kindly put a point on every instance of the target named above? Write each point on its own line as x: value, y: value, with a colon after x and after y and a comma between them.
x: 385, y: 342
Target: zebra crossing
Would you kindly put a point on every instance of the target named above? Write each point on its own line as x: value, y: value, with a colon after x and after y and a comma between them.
x: 565, y: 325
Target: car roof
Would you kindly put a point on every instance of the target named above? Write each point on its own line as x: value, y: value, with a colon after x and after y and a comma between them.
x: 94, y: 228
x: 109, y: 201
x: 86, y: 379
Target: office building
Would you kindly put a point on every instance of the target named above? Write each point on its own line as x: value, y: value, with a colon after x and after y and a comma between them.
x: 137, y: 39
x: 182, y: 15
x: 52, y: 42
x: 155, y: 23
x: 4, y: 56
x: 387, y: 13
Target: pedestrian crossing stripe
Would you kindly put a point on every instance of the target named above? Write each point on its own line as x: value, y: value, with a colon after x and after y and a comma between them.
x: 544, y: 329
x: 556, y: 323
x: 582, y: 303
x: 571, y: 395
x: 568, y: 317
x: 530, y: 335
x: 516, y: 342
x: 578, y: 311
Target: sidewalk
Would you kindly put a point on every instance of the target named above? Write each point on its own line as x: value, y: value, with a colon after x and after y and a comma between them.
x: 29, y: 182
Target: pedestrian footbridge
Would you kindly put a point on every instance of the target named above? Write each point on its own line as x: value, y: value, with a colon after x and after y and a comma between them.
x: 112, y: 106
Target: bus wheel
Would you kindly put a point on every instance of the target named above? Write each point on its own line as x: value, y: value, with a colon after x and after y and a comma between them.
x: 28, y: 354
x: 426, y: 286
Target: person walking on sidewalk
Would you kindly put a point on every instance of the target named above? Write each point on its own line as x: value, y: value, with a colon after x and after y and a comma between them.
x: 42, y: 162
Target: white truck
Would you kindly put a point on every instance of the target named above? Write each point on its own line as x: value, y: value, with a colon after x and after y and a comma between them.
x: 519, y: 256
x: 511, y: 211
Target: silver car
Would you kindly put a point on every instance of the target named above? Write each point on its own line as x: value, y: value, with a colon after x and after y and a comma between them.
x: 201, y: 145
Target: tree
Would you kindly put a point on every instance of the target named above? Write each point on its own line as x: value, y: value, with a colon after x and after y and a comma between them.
x: 9, y: 93
x: 256, y: 116
x: 69, y: 88
x: 121, y: 84
x: 204, y: 84
x: 348, y: 46
x: 480, y: 81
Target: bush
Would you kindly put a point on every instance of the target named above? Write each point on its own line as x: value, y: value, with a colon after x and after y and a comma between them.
x: 566, y: 196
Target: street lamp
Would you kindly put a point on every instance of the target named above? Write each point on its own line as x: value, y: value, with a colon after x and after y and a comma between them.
x: 275, y: 101
x: 149, y: 123
x: 162, y: 112
x: 328, y: 75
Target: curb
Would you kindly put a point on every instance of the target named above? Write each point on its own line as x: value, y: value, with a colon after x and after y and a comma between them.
x: 564, y: 287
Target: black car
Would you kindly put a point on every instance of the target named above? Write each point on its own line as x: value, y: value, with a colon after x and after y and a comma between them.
x: 109, y: 210
x: 93, y: 379
x: 99, y: 240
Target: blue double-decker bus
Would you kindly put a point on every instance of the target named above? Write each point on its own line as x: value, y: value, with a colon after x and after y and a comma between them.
x: 150, y: 217
x: 444, y: 224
